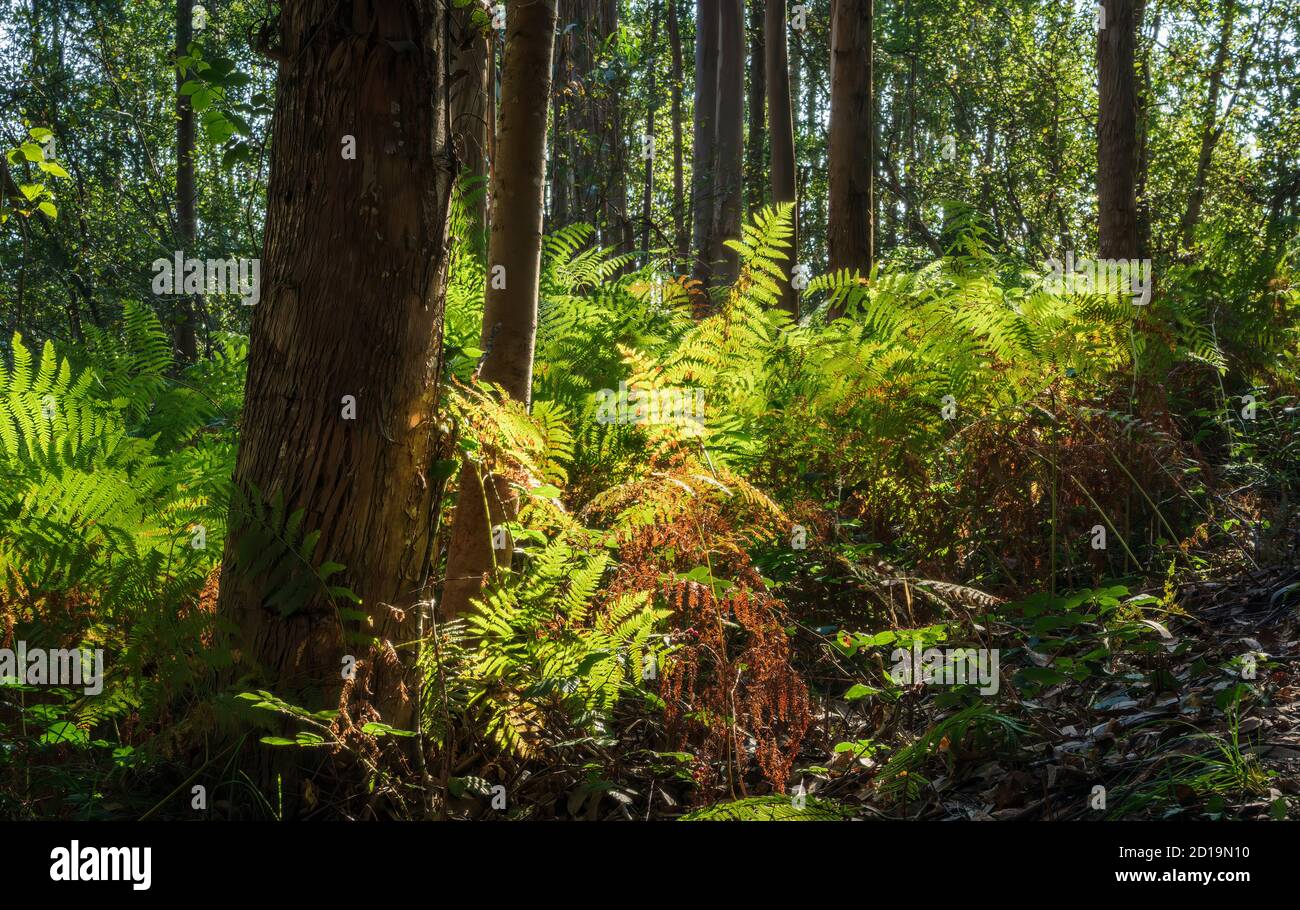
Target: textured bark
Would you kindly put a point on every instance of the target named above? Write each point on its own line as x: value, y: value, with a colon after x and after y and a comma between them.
x: 756, y: 182
x: 781, y: 123
x: 852, y: 138
x: 509, y: 313
x: 1117, y: 132
x: 681, y: 240
x: 353, y: 270
x: 184, y: 336
x: 468, y: 100
x: 731, y: 132
x: 703, y: 182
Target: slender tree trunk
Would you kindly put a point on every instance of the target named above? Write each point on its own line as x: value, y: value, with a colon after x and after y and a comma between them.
x: 185, y: 340
x: 681, y: 240
x: 704, y: 179
x: 1146, y: 111
x: 1117, y: 132
x: 584, y: 117
x: 510, y: 307
x: 731, y: 131
x: 1210, y: 130
x: 852, y: 138
x: 652, y: 104
x: 756, y: 182
x: 781, y: 122
x: 560, y: 159
x: 493, y: 78
x: 801, y: 175
x: 345, y: 353
x: 468, y: 89
x: 911, y: 218
x: 614, y: 150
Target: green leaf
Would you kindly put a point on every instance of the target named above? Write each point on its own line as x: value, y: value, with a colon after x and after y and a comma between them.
x: 65, y: 732
x: 860, y: 691
x: 235, y: 154
x: 378, y: 729
x: 278, y: 741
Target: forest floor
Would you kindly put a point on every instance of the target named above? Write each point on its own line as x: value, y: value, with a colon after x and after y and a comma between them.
x: 1204, y: 725
x: 1192, y: 716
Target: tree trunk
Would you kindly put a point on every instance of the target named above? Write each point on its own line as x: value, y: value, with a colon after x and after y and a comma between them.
x: 493, y: 80
x: 349, y: 323
x: 1146, y: 110
x: 652, y: 104
x: 1210, y: 131
x: 613, y: 150
x: 781, y: 122
x: 1117, y: 132
x: 731, y: 132
x: 468, y: 90
x: 185, y: 340
x: 509, y: 312
x: 704, y: 177
x: 681, y: 241
x: 584, y: 120
x: 756, y: 140
x: 852, y: 138
x: 560, y: 147
x: 796, y: 93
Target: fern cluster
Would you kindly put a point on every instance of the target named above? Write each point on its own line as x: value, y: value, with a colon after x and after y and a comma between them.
x: 115, y: 495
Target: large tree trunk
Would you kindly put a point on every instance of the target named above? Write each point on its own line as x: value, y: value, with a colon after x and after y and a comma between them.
x: 468, y: 90
x: 681, y: 241
x: 756, y: 139
x: 1210, y: 129
x: 731, y: 132
x: 703, y: 182
x: 349, y: 326
x: 184, y: 336
x: 509, y: 312
x: 1117, y: 135
x: 781, y: 123
x: 852, y: 138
